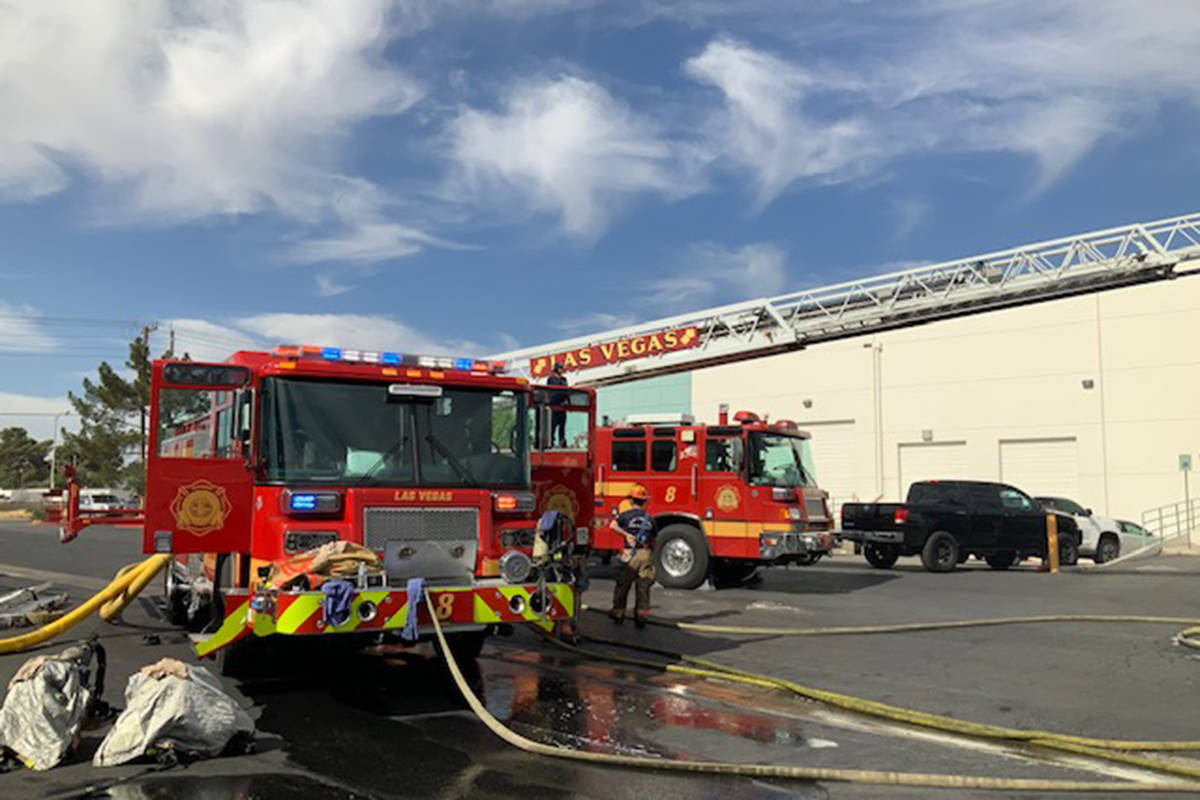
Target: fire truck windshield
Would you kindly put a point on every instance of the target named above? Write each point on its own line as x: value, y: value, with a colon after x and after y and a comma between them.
x: 779, y: 460
x: 361, y: 434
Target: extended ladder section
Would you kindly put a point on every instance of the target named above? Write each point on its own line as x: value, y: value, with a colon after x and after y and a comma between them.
x: 1034, y: 273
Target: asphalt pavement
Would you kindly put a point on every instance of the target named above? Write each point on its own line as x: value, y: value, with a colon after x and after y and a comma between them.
x: 390, y: 724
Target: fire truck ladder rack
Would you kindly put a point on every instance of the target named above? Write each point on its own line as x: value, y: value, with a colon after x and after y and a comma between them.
x: 1090, y: 262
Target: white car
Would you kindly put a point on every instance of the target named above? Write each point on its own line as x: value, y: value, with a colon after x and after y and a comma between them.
x: 99, y: 502
x: 1103, y: 539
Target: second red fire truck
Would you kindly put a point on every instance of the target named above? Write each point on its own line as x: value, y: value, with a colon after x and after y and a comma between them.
x: 727, y: 498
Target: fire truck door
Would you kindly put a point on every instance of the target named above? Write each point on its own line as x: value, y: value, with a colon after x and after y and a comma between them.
x: 723, y: 495
x: 199, y: 479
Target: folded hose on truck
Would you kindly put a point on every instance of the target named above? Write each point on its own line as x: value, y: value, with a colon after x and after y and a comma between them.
x: 927, y: 780
x: 141, y: 573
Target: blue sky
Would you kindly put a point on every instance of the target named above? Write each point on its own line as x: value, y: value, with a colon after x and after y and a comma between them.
x: 466, y: 176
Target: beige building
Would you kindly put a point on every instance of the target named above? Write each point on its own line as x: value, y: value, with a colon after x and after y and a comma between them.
x: 1091, y: 397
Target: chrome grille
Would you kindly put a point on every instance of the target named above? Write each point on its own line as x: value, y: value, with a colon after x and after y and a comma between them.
x: 381, y: 525
x: 814, y: 507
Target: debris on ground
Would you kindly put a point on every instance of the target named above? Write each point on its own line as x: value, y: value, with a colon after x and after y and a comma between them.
x: 48, y: 700
x: 33, y: 605
x: 175, y: 709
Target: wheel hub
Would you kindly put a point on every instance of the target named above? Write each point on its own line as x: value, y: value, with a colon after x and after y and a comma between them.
x: 678, y: 558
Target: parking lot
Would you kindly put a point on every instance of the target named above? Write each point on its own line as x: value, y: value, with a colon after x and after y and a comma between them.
x: 393, y: 725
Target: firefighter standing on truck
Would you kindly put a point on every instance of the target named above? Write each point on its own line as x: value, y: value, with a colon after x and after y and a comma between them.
x: 635, y: 566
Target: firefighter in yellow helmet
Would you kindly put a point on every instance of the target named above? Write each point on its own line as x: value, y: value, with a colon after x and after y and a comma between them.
x: 635, y: 564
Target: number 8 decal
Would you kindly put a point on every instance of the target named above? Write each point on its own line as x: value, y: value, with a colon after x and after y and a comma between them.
x: 670, y: 494
x: 445, y: 605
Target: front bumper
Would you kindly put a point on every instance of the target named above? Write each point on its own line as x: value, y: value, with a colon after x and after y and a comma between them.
x: 386, y: 610
x: 773, y: 546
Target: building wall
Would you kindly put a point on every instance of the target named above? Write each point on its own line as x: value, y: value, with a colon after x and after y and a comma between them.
x: 995, y: 395
x: 668, y: 393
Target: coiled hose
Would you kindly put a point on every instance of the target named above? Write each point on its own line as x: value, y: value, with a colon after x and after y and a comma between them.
x: 913, y: 779
x: 111, y: 600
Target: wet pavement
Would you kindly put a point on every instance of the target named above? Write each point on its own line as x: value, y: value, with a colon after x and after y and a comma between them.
x: 391, y: 724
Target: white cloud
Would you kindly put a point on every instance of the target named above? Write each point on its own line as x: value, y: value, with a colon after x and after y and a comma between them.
x: 21, y: 330
x: 218, y: 108
x: 365, y: 331
x: 564, y: 146
x: 328, y: 287
x: 1046, y: 81
x: 34, y: 413
x: 204, y: 340
x: 594, y: 321
x: 715, y: 273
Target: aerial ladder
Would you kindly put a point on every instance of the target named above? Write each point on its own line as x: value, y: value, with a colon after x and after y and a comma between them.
x: 1090, y: 262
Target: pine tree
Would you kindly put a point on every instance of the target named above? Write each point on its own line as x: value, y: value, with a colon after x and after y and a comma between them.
x: 114, y: 412
x: 23, y: 459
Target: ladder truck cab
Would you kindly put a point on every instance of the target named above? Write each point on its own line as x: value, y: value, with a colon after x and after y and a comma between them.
x: 314, y: 490
x: 727, y: 498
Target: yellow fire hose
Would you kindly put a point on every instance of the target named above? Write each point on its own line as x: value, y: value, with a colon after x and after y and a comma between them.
x: 928, y: 780
x: 124, y: 587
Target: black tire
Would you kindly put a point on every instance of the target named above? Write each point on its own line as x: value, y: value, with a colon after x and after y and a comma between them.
x: 881, y: 556
x: 681, y: 557
x: 466, y: 646
x: 175, y: 599
x: 1002, y: 560
x: 940, y: 553
x: 1108, y: 548
x: 1068, y: 551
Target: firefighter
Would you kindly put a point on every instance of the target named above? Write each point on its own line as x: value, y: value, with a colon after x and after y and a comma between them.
x: 558, y: 418
x: 635, y: 565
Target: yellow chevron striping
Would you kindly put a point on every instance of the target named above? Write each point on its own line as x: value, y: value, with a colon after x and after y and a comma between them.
x: 233, y: 625
x: 298, y: 612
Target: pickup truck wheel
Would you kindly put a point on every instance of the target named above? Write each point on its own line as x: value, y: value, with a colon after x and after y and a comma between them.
x: 1107, y: 549
x: 1002, y: 560
x: 1068, y: 551
x: 881, y: 556
x: 940, y: 553
x: 681, y: 557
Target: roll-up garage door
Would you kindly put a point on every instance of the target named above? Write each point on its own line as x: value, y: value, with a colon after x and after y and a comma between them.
x: 925, y: 461
x: 835, y: 455
x: 1047, y: 467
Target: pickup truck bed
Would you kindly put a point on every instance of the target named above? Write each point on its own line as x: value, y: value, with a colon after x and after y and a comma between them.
x: 947, y: 521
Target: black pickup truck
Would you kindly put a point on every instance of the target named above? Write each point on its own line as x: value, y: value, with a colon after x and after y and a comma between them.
x: 945, y: 522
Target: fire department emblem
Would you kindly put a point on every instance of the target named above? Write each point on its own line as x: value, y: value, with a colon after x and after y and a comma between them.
x: 200, y: 507
x: 562, y: 500
x: 728, y: 497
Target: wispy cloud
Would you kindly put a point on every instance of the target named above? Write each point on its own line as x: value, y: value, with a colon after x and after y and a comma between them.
x: 594, y: 321
x: 171, y: 115
x: 21, y: 330
x: 565, y: 146
x: 366, y: 331
x: 328, y: 287
x: 717, y: 274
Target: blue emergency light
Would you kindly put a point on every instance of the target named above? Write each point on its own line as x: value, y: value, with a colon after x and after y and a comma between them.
x: 303, y: 502
x: 331, y: 353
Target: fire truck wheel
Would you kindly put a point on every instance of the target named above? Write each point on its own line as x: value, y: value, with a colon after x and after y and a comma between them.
x: 467, y: 645
x: 174, y: 597
x: 681, y: 557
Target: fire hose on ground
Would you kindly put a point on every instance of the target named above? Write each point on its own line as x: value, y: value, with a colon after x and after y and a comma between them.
x: 1109, y: 750
x: 110, y: 601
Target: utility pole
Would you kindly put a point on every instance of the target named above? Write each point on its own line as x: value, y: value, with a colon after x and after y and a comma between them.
x: 146, y: 331
x: 171, y: 342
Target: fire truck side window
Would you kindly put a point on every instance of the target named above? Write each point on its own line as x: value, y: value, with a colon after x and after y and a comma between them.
x: 195, y: 423
x: 629, y: 456
x: 723, y: 455
x: 662, y: 455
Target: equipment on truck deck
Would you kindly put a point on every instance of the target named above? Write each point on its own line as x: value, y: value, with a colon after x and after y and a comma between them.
x: 726, y: 498
x: 273, y: 473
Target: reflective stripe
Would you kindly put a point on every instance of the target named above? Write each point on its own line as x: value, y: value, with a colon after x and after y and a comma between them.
x: 232, y: 629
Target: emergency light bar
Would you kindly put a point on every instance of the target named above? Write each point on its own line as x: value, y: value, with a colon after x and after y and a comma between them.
x: 388, y: 358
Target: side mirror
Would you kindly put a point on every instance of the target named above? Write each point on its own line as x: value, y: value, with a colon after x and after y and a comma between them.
x: 1087, y: 511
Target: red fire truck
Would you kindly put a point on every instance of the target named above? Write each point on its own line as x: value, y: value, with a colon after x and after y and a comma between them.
x: 727, y: 498
x: 440, y: 467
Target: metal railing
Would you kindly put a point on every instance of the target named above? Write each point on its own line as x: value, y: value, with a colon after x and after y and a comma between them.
x: 1174, y: 523
x: 1036, y: 272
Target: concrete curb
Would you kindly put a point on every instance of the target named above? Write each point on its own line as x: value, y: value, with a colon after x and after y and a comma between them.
x: 1149, y: 551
